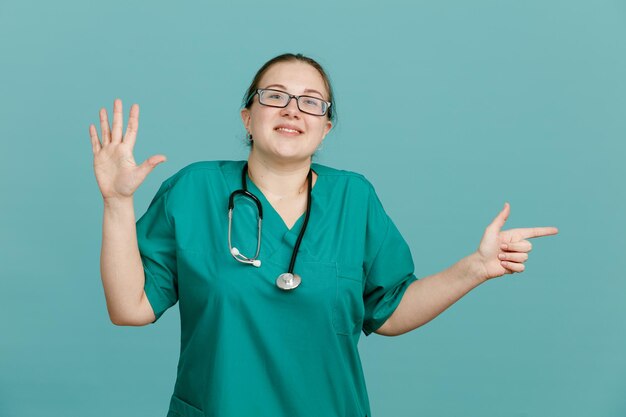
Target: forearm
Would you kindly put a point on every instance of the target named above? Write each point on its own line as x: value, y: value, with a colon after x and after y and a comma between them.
x: 120, y: 263
x: 428, y: 297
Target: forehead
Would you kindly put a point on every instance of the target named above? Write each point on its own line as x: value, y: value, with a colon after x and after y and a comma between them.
x: 295, y: 76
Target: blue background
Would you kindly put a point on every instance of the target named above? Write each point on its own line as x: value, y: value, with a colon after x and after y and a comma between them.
x: 450, y: 109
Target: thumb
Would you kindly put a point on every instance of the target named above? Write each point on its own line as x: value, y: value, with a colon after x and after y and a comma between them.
x: 500, y: 219
x: 148, y: 165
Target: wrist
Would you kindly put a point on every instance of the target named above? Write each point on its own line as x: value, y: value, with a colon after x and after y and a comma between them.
x: 116, y: 203
x: 475, y: 268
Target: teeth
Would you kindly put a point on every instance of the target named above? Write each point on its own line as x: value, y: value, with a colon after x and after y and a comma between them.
x: 284, y: 129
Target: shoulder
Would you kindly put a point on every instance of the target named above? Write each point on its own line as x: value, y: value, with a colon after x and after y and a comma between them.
x: 198, y: 175
x: 352, y: 187
x: 345, y: 182
x: 202, y: 170
x: 205, y: 168
x: 341, y: 175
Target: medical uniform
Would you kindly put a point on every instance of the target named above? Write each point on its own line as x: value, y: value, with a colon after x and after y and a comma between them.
x: 249, y: 348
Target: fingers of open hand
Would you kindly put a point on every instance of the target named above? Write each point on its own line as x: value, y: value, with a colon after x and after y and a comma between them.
x: 104, y: 127
x: 118, y: 119
x: 133, y: 125
x: 114, y: 136
x: 95, y: 142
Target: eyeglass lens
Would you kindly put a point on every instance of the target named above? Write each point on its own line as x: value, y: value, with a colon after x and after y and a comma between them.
x: 306, y: 104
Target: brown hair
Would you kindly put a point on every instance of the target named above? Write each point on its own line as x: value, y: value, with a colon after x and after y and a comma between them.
x: 247, y: 98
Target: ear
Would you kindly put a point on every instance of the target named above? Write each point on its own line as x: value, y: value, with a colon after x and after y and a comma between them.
x: 329, y: 125
x: 245, y: 117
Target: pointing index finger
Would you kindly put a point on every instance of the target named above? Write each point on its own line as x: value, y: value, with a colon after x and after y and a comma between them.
x: 531, y: 232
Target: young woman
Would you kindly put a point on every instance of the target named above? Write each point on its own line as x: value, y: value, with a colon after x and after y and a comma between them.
x: 271, y: 311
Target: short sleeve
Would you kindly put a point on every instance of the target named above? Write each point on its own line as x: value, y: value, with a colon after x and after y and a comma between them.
x: 388, y: 267
x: 157, y: 246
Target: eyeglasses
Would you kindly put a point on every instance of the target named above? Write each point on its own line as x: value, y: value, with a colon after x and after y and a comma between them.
x: 306, y: 104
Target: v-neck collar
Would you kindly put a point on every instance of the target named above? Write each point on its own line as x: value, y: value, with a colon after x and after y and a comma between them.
x: 282, y: 238
x: 268, y: 208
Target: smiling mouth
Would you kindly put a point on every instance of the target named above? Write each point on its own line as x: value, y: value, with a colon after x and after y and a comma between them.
x: 287, y: 130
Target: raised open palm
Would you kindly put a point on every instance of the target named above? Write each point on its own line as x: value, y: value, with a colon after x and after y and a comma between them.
x: 117, y: 173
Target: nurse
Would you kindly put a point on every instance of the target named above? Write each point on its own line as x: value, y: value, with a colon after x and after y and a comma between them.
x: 253, y: 340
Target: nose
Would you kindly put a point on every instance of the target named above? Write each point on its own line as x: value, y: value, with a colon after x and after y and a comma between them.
x: 291, y: 108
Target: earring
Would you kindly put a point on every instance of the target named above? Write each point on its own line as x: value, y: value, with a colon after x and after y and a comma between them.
x: 249, y: 137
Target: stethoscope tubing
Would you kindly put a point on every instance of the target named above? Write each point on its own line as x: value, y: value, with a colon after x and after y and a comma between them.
x: 245, y: 193
x: 296, y: 247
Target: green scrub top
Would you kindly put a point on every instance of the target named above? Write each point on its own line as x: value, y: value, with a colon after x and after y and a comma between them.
x: 249, y: 348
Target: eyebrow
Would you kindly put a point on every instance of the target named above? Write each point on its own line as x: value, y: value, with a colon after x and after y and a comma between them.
x: 307, y: 90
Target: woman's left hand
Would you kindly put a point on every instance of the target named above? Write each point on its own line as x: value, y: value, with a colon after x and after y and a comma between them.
x: 505, y: 251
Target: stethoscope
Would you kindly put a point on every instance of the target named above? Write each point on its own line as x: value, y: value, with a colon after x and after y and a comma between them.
x: 287, y: 280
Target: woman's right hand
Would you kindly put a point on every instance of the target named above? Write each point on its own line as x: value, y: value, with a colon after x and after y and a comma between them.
x: 117, y: 173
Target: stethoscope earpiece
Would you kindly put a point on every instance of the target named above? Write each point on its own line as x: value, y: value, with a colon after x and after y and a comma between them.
x: 238, y: 256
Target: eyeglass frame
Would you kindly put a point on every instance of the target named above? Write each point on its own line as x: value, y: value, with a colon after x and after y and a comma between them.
x: 291, y: 96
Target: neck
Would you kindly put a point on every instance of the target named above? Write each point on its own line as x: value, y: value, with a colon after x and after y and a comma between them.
x: 279, y: 180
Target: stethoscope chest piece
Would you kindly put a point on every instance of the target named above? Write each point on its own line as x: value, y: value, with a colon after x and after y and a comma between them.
x: 288, y: 281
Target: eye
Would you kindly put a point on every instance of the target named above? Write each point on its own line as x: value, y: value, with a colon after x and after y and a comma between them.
x: 312, y: 102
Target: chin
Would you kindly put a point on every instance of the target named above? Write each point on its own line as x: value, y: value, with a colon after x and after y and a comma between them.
x: 291, y: 156
x: 290, y: 151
